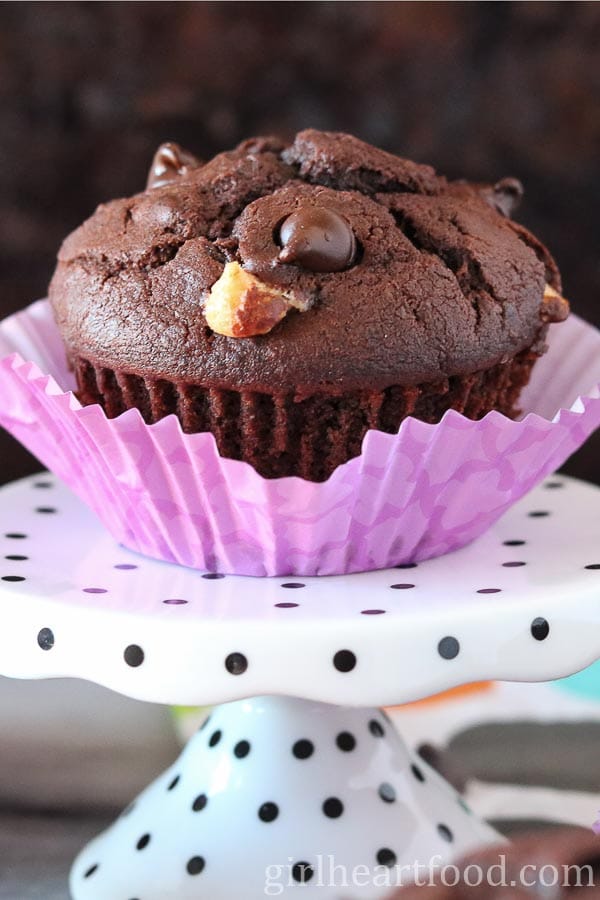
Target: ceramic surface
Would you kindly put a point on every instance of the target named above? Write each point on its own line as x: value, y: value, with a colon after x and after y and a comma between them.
x: 280, y: 797
x: 521, y: 603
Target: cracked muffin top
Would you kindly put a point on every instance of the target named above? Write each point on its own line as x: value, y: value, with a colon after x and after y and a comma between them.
x: 324, y: 264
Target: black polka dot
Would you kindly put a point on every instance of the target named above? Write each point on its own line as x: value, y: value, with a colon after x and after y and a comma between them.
x: 406, y: 566
x: 448, y: 647
x: 212, y: 576
x: 401, y: 587
x: 13, y: 578
x: 302, y: 749
x: 387, y: 792
x: 386, y: 857
x: 344, y: 660
x: 200, y: 803
x: 15, y: 536
x: 513, y: 543
x: 489, y: 590
x: 45, y: 639
x: 241, y: 749
x: 125, y: 567
x: 41, y: 485
x: 173, y: 784
x: 268, y: 812
x: 513, y: 564
x: 143, y: 842
x: 175, y: 601
x: 445, y: 833
x: 91, y: 870
x: 195, y: 865
x: 538, y: 513
x: 376, y: 728
x: 215, y: 738
x: 346, y: 741
x: 417, y: 772
x: 287, y: 605
x: 45, y: 510
x: 293, y: 585
x: 333, y: 808
x: 372, y: 612
x: 593, y: 566
x: 553, y: 485
x: 540, y: 629
x: 133, y: 655
x: 236, y: 663
x: 16, y: 557
x: 302, y: 872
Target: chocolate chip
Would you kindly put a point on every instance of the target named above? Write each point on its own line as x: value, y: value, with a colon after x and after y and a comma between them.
x: 317, y: 239
x: 170, y: 162
x: 507, y: 195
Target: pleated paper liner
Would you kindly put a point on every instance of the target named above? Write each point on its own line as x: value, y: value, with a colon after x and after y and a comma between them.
x: 419, y: 493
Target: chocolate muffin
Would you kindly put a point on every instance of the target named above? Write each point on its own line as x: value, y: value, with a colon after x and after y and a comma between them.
x: 289, y: 297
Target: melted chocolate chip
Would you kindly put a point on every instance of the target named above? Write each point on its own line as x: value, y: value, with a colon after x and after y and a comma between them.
x: 507, y: 195
x: 170, y: 162
x: 317, y: 239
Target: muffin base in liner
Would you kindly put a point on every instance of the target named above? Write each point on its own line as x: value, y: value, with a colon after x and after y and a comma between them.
x: 422, y: 492
x: 282, y: 436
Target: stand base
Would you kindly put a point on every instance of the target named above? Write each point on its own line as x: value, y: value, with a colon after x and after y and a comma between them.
x: 275, y: 794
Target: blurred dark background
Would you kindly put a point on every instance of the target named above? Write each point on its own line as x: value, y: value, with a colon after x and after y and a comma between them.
x: 482, y: 90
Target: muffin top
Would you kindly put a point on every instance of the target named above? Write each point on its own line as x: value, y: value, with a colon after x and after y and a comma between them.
x: 321, y: 264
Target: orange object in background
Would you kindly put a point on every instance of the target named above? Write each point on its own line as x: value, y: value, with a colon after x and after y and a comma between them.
x: 476, y: 687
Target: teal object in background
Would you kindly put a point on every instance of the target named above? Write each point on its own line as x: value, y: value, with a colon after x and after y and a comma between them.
x: 585, y: 683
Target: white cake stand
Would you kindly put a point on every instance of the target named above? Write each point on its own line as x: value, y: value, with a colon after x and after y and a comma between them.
x: 277, y: 794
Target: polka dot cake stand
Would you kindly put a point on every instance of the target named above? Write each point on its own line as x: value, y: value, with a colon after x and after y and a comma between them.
x: 275, y: 794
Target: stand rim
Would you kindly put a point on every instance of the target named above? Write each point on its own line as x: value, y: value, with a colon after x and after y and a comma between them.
x: 520, y: 604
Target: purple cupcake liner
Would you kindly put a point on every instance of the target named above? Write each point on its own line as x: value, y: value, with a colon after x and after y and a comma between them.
x: 422, y: 492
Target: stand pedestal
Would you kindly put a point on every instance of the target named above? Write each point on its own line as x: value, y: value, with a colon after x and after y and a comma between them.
x: 299, y: 786
x: 274, y: 794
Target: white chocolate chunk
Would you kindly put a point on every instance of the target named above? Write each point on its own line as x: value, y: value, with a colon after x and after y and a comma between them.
x: 554, y: 307
x: 240, y: 305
